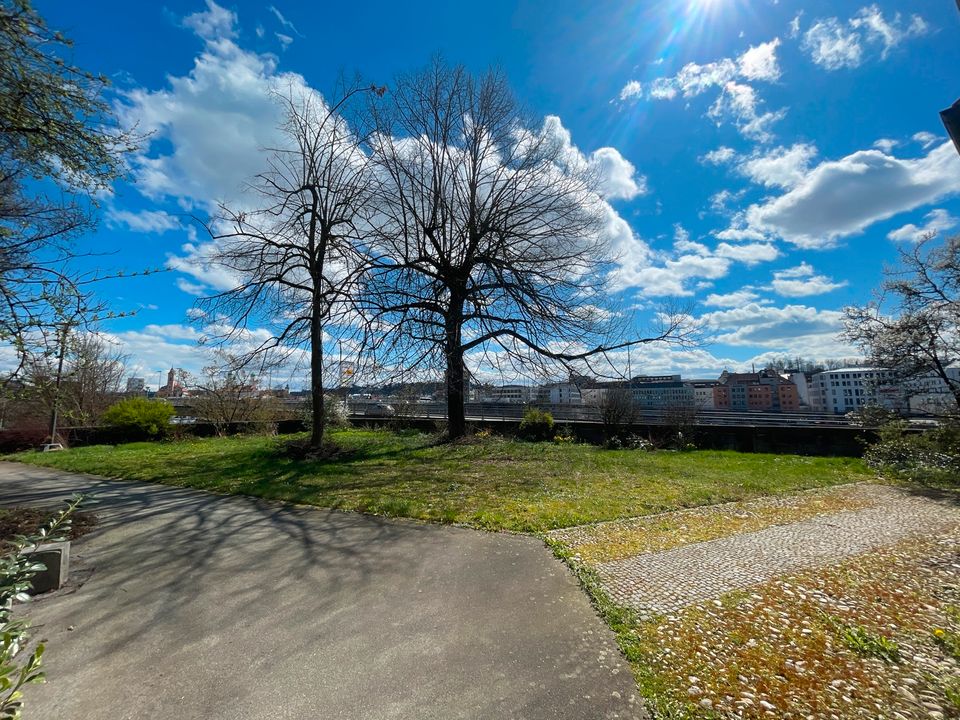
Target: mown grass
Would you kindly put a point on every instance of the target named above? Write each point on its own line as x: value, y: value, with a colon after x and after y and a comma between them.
x: 492, y: 483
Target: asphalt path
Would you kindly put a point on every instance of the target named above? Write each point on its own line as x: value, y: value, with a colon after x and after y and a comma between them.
x: 190, y: 605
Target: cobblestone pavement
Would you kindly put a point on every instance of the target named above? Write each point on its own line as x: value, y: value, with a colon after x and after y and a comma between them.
x: 668, y: 581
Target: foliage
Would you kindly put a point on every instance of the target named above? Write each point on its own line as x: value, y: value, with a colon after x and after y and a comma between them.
x: 536, y: 425
x: 60, y: 148
x: 864, y: 641
x: 16, y: 570
x: 139, y: 417
x: 930, y: 457
x: 630, y: 441
x: 617, y: 412
x: 496, y: 483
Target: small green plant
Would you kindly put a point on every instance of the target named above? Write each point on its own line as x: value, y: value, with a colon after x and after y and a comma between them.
x: 139, y: 418
x: 951, y: 690
x: 564, y: 436
x: 537, y: 425
x: 17, y: 569
x: 947, y: 637
x: 863, y: 641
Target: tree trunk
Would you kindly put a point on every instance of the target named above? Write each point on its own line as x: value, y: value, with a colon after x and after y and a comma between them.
x: 316, y: 381
x: 456, y: 410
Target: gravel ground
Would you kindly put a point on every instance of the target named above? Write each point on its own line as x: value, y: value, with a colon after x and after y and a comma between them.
x: 668, y: 581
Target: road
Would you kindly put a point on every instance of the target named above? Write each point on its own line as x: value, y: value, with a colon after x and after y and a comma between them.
x: 195, y: 606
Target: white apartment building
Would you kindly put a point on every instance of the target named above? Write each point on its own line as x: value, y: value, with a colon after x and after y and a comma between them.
x: 510, y: 394
x: 562, y: 393
x: 848, y: 389
x: 931, y: 395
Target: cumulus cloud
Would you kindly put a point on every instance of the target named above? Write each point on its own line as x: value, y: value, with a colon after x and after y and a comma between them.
x: 803, y: 281
x: 760, y: 62
x: 213, y: 23
x: 731, y: 300
x: 748, y: 253
x: 936, y: 221
x: 843, y: 197
x: 834, y: 44
x: 926, y: 139
x: 782, y: 167
x: 793, y: 329
x: 618, y: 177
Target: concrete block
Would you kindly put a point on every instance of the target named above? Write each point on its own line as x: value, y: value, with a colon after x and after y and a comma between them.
x: 56, y: 557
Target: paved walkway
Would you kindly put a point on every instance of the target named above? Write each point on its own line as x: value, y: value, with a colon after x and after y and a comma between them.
x: 668, y: 581
x: 189, y: 605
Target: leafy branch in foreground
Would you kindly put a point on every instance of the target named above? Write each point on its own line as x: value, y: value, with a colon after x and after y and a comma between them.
x: 17, y: 569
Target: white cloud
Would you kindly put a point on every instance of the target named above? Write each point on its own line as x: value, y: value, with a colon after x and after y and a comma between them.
x: 285, y: 40
x: 213, y: 23
x: 721, y: 156
x: 207, y: 128
x: 833, y: 45
x: 780, y: 167
x: 886, y: 145
x: 793, y: 329
x: 618, y: 177
x: 663, y: 89
x: 760, y: 62
x: 748, y: 253
x: 731, y: 300
x: 283, y: 20
x: 802, y: 281
x: 926, y: 139
x: 632, y: 89
x: 739, y: 104
x: 889, y: 34
x: 843, y: 197
x: 145, y: 221
x: 937, y: 221
x: 795, y: 25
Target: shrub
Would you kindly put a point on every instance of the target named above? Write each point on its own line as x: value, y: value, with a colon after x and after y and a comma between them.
x: 930, y: 457
x: 537, y: 425
x: 138, y: 418
x: 17, y: 568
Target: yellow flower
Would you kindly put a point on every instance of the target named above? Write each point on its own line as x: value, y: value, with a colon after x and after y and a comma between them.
x: 939, y: 632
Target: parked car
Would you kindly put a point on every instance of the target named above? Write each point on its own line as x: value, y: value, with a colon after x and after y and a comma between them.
x: 379, y: 410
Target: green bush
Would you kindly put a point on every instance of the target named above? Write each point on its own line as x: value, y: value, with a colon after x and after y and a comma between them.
x: 537, y: 425
x: 138, y: 418
x: 930, y: 457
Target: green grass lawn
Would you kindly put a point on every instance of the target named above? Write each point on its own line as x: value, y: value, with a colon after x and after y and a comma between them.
x: 491, y: 482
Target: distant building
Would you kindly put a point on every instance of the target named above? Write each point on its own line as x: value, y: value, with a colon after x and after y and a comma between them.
x: 930, y: 395
x: 560, y: 393
x: 849, y: 389
x: 136, y: 384
x: 765, y: 391
x: 172, y: 389
x: 510, y: 394
x: 653, y: 392
x: 703, y: 393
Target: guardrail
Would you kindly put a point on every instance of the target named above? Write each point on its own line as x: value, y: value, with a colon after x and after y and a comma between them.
x: 504, y: 412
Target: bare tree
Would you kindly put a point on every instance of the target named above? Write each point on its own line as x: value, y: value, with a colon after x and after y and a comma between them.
x: 295, y: 254
x: 489, y: 234
x: 81, y: 388
x: 617, y: 408
x: 227, y: 397
x: 919, y: 336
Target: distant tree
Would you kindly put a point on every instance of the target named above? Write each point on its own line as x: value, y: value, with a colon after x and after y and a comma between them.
x: 90, y: 379
x: 60, y: 147
x: 227, y: 398
x: 617, y: 409
x: 295, y: 254
x: 489, y: 236
x: 913, y: 327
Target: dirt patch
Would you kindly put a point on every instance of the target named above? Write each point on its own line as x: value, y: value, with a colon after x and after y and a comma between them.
x: 27, y: 521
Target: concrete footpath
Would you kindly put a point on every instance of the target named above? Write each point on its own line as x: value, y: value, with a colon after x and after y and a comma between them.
x: 188, y: 605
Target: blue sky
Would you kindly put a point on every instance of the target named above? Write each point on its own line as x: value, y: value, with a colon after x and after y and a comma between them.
x: 765, y: 157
